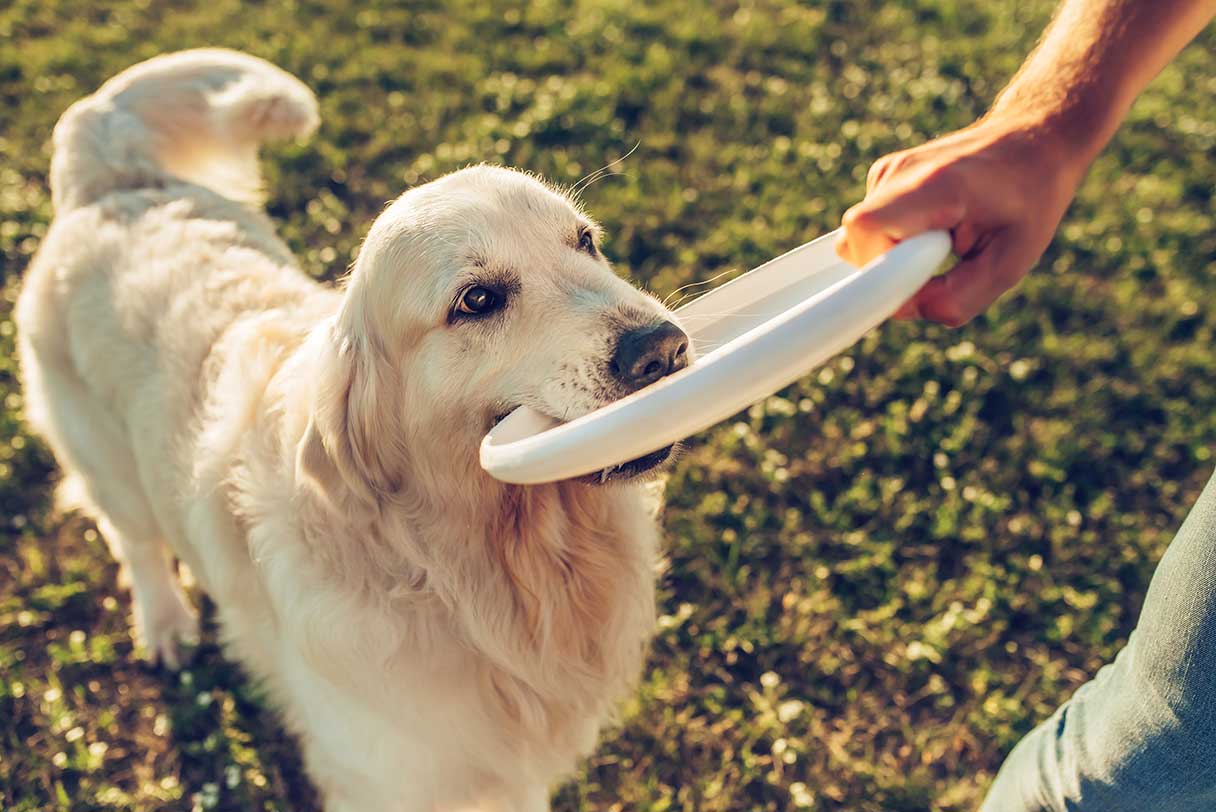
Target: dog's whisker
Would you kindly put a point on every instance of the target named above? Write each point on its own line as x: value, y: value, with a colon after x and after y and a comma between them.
x: 595, y: 178
x: 690, y: 298
x: 709, y: 281
x: 598, y: 178
x: 621, y: 159
x: 713, y: 316
x: 589, y: 178
x: 575, y: 186
x: 602, y: 172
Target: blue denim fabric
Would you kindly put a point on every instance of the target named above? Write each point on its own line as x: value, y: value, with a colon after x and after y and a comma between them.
x: 1140, y: 736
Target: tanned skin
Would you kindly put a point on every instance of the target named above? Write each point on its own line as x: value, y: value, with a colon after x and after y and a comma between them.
x: 1002, y: 185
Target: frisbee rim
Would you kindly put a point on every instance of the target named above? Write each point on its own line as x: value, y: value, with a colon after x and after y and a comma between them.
x: 523, y: 447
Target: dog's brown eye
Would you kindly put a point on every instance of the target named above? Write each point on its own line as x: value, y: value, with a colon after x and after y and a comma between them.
x: 477, y: 301
x: 586, y: 241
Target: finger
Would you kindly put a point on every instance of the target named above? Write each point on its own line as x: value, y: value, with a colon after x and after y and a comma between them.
x: 875, y: 224
x: 970, y: 287
x: 908, y: 311
x: 878, y: 170
x: 967, y: 238
x: 965, y: 241
x: 857, y: 246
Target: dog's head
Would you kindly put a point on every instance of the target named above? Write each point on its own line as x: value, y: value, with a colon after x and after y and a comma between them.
x: 474, y: 294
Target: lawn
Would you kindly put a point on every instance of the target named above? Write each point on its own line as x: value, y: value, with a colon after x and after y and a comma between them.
x: 879, y: 579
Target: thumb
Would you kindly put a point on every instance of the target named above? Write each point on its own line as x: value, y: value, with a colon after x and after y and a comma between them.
x: 968, y: 288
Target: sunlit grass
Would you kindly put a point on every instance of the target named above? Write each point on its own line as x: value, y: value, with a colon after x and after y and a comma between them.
x: 879, y: 578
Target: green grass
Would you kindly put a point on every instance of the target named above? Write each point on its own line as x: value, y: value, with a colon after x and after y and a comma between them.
x: 880, y: 578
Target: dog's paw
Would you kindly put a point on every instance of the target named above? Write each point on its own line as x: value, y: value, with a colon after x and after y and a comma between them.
x: 168, y: 631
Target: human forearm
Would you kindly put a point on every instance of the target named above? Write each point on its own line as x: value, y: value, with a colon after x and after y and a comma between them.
x: 1093, y: 60
x: 1001, y: 185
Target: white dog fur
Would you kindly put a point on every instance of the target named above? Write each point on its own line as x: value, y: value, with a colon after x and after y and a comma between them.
x: 437, y: 640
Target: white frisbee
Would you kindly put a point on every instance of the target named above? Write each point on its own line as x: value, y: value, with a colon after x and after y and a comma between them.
x: 754, y: 335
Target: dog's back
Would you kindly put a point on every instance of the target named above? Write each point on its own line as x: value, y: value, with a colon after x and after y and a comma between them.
x: 155, y: 251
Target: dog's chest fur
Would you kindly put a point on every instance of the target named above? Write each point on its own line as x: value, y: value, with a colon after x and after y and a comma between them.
x: 507, y: 620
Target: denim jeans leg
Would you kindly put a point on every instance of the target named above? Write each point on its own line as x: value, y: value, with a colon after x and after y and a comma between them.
x: 1141, y: 735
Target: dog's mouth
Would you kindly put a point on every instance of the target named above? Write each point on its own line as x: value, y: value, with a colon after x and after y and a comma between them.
x: 646, y: 464
x: 623, y: 472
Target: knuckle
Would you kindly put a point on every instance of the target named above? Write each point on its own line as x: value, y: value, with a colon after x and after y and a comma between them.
x: 842, y: 247
x: 857, y: 217
x: 877, y: 170
x: 901, y: 163
x: 949, y: 311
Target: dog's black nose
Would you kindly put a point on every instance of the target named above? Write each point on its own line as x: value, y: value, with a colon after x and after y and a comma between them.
x: 646, y: 354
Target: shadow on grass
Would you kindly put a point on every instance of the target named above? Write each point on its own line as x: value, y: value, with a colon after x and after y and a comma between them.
x: 99, y: 729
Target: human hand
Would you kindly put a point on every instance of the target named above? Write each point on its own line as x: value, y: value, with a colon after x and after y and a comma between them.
x: 999, y: 187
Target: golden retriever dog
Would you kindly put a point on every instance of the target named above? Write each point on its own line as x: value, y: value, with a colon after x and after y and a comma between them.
x: 437, y: 640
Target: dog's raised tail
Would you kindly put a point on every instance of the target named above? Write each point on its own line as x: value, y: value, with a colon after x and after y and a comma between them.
x: 195, y: 115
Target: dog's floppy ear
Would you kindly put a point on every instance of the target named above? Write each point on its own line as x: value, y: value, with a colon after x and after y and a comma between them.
x: 351, y: 421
